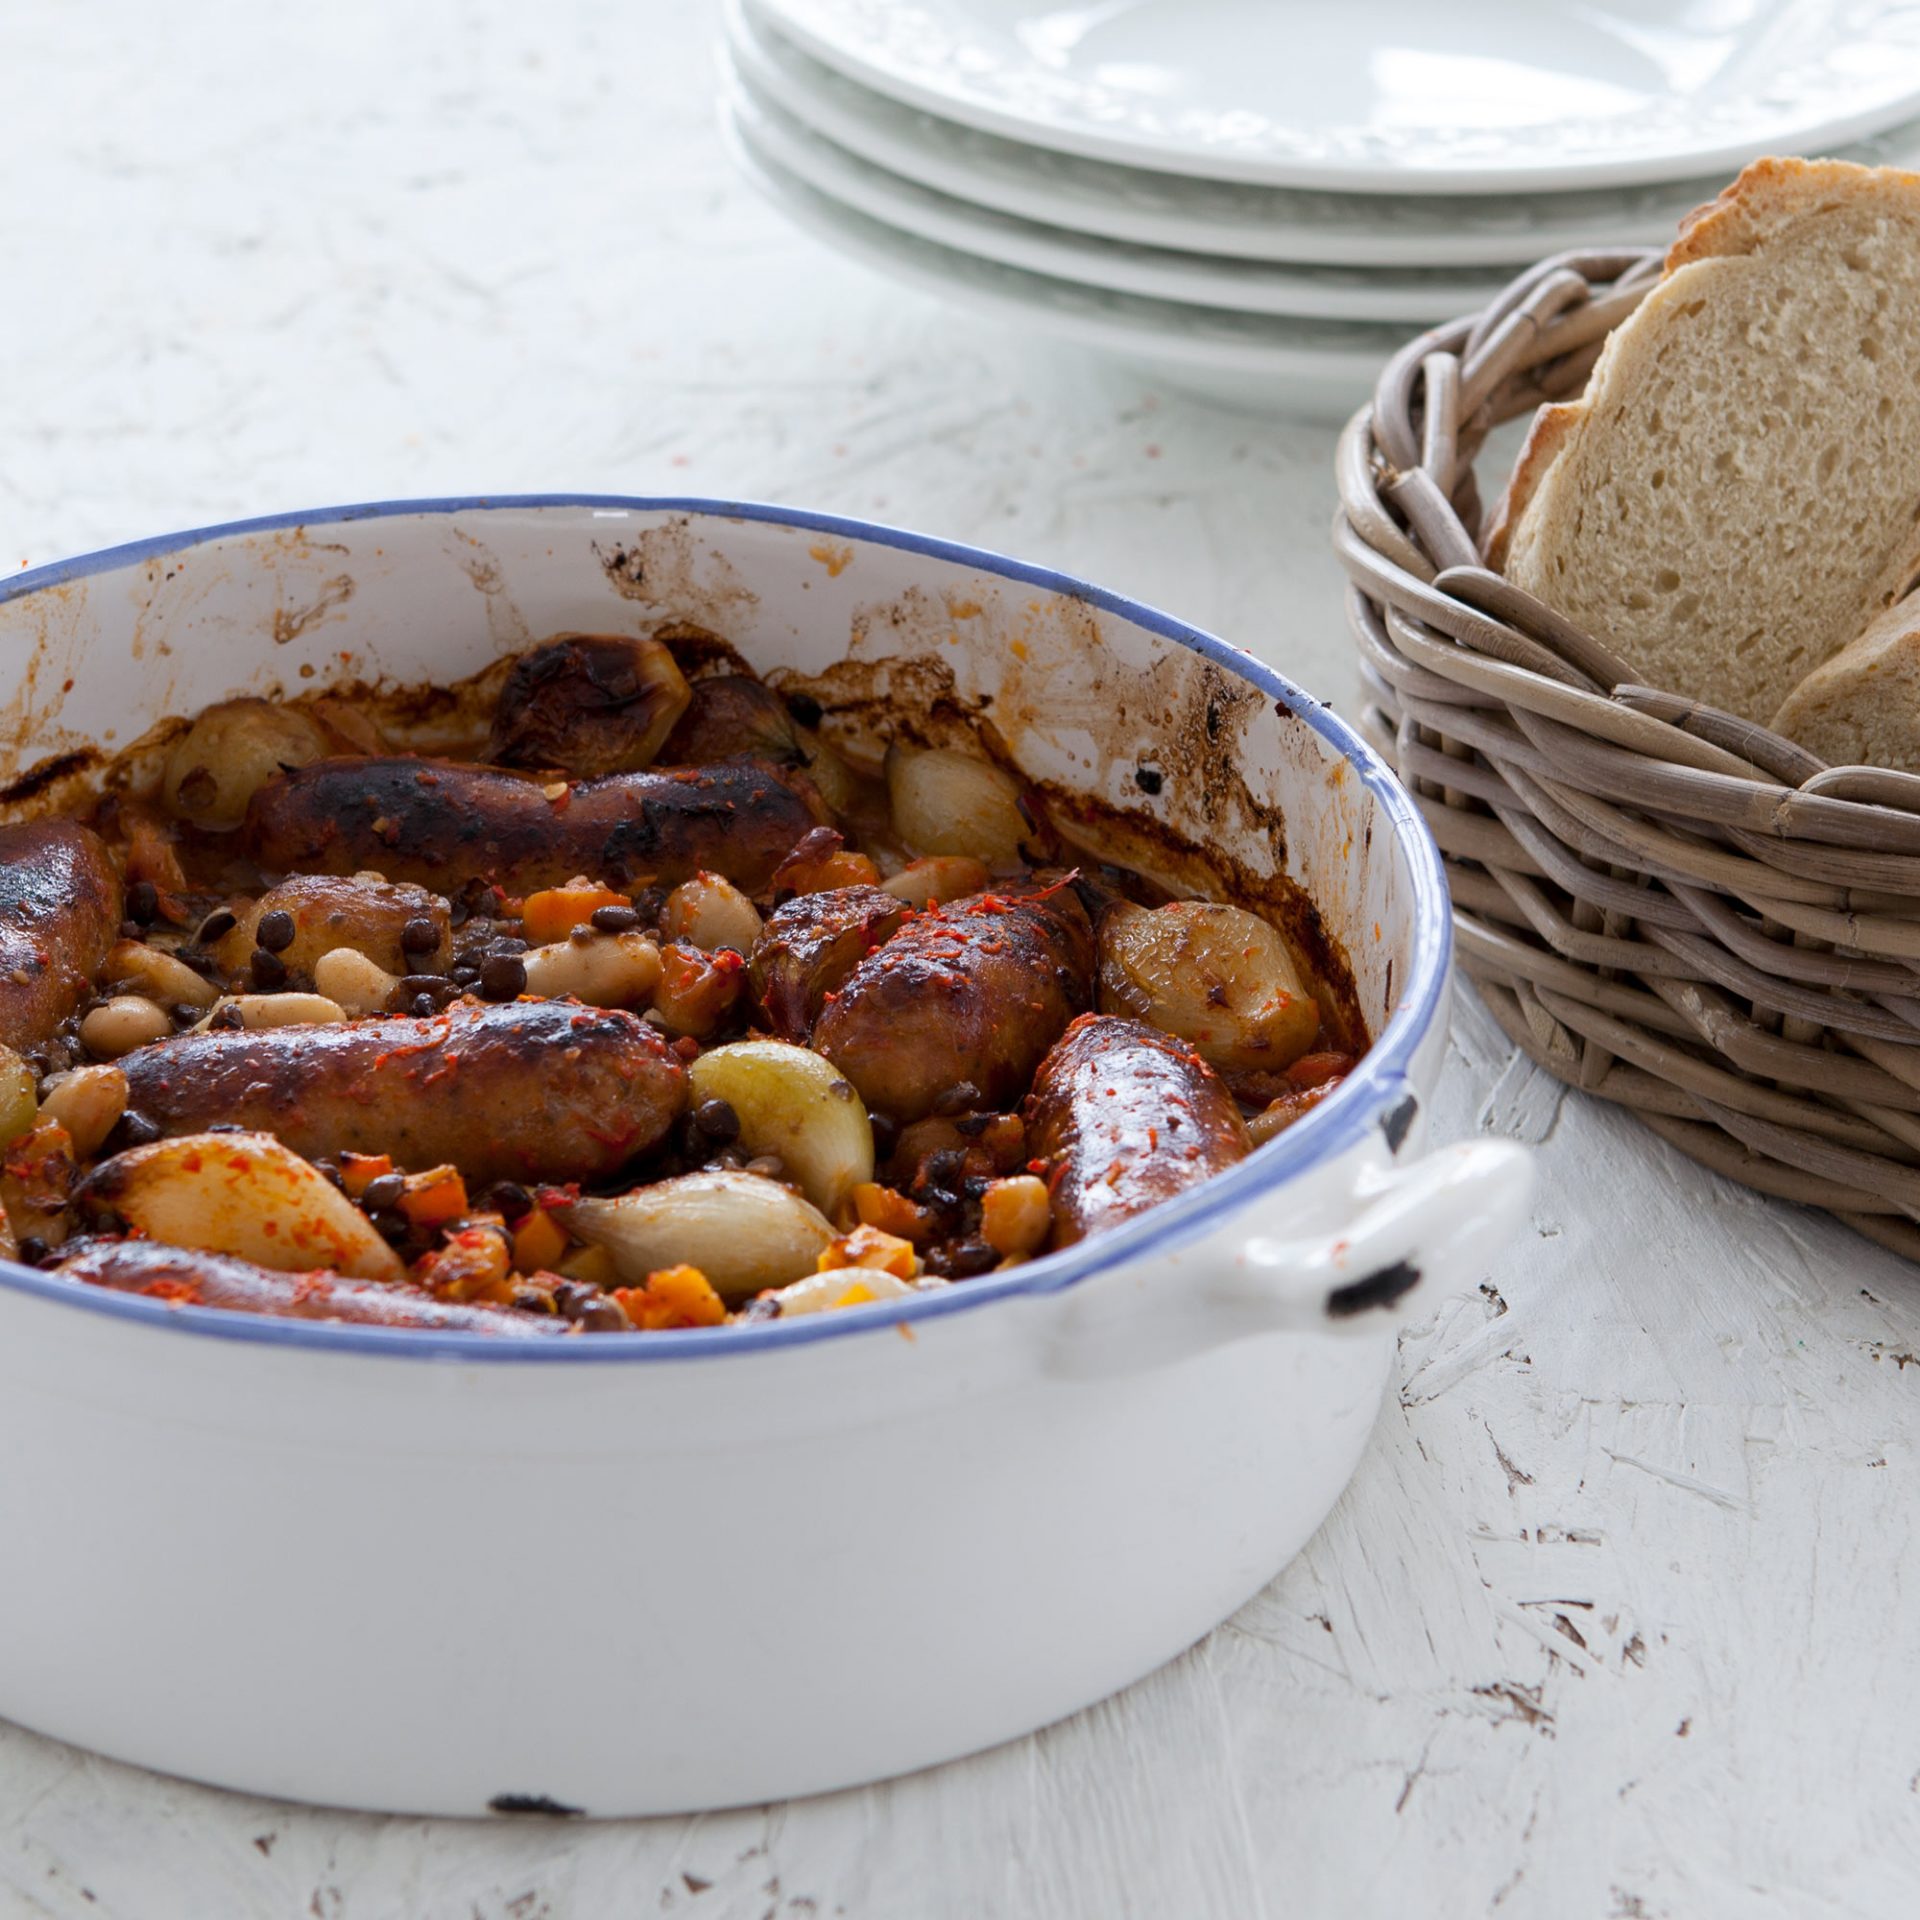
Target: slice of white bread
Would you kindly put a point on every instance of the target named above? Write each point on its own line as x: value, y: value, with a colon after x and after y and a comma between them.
x: 1863, y: 707
x: 1737, y: 493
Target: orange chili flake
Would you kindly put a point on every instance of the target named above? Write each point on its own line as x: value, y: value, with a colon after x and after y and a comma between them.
x: 554, y: 912
x: 436, y: 1195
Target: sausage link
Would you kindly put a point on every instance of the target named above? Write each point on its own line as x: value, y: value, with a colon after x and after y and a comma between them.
x: 808, y: 947
x: 219, y: 1280
x: 535, y: 1089
x: 975, y: 992
x: 1126, y: 1117
x: 59, y: 915
x: 440, y: 823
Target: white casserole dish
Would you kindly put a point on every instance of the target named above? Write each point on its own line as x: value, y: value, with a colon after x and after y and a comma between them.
x: 659, y: 1572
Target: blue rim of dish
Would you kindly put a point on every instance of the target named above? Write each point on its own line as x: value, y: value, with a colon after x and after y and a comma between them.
x: 1340, y: 1122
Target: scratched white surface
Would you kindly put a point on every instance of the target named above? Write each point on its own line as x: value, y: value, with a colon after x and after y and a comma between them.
x: 1619, y: 1616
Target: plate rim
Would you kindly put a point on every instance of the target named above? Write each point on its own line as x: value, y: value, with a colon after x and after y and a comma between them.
x: 1013, y: 240
x: 953, y: 103
x: 781, y: 69
x: 1115, y: 333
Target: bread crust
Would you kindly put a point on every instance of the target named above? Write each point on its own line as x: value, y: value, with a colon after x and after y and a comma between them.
x: 1552, y: 427
x: 1540, y: 532
x: 1862, y: 707
x: 1737, y: 219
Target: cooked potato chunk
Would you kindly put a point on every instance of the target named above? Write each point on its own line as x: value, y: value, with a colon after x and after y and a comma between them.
x: 398, y: 927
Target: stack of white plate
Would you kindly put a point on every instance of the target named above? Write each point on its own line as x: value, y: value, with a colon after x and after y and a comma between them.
x: 1261, y: 199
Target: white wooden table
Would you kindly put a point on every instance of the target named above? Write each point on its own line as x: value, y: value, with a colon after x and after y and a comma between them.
x: 1619, y: 1617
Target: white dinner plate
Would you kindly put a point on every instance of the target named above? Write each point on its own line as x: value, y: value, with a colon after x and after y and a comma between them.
x: 1318, y: 369
x: 1218, y: 217
x: 1243, y: 286
x: 1391, y: 96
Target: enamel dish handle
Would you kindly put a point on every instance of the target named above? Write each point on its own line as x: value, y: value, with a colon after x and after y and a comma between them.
x: 1422, y: 1231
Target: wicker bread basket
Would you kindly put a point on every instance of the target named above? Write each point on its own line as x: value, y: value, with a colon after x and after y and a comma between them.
x: 1662, y: 904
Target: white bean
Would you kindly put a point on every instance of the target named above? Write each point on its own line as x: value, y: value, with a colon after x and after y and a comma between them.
x: 610, y: 970
x: 283, y: 1009
x: 358, y: 984
x: 88, y: 1102
x: 127, y: 1021
x: 159, y: 976
x: 709, y: 912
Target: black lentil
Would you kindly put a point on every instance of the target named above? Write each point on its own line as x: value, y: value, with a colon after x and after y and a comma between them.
x: 419, y: 935
x: 616, y: 919
x: 509, y: 1199
x: 269, y: 971
x: 970, y: 1257
x: 503, y: 976
x: 143, y: 900
x: 384, y: 1191
x: 275, y: 930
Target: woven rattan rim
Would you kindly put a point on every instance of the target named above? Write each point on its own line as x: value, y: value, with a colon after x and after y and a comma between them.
x: 1662, y: 904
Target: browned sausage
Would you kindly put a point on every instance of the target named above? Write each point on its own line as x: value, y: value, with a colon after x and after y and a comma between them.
x: 59, y: 914
x: 219, y: 1280
x: 968, y: 994
x: 440, y: 823
x: 1126, y: 1117
x: 533, y: 1090
x: 808, y: 947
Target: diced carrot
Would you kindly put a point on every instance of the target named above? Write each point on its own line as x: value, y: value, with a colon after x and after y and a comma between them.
x: 869, y: 1247
x: 436, y: 1195
x: 820, y: 864
x: 554, y: 912
x: 538, y: 1242
x: 878, y: 1206
x: 673, y: 1297
x: 358, y: 1171
x: 856, y: 1295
